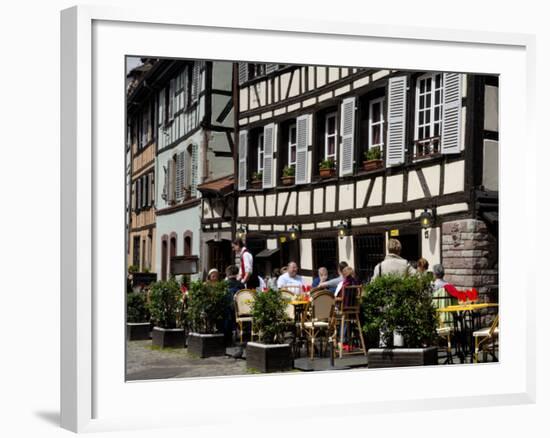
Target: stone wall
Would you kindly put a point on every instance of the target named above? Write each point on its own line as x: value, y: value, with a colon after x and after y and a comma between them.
x: 470, y: 255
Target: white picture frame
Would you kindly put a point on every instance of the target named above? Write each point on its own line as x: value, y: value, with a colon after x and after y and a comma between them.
x: 94, y: 41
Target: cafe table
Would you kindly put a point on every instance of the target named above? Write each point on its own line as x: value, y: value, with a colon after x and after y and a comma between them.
x: 466, y: 319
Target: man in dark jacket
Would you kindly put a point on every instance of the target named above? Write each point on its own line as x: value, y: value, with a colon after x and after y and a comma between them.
x: 233, y: 286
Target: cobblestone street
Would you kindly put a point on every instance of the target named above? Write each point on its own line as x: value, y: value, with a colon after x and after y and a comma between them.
x: 144, y: 363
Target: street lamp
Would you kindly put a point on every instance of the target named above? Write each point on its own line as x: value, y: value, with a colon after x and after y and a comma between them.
x: 293, y: 232
x: 426, y: 221
x: 343, y: 228
x: 241, y: 232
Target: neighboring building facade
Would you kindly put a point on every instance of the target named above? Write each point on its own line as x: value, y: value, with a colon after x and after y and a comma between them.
x: 141, y: 149
x: 194, y: 128
x: 437, y: 134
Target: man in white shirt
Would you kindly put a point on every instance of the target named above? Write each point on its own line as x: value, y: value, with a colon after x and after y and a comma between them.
x: 246, y: 262
x: 290, y: 279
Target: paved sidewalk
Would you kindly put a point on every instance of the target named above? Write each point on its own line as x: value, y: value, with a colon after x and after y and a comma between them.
x: 145, y: 363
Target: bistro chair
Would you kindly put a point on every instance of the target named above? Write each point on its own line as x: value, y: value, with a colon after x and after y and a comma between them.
x: 243, y: 310
x: 319, y: 318
x: 347, y: 317
x: 486, y: 338
x: 445, y: 330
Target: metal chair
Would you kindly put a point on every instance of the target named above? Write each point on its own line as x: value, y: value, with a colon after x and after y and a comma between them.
x: 445, y: 330
x: 484, y: 338
x: 318, y: 318
x: 348, y: 308
x: 243, y: 306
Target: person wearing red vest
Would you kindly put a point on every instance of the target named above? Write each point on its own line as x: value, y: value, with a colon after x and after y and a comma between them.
x: 245, y: 265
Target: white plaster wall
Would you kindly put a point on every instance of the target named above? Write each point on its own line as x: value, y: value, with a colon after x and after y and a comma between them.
x: 491, y: 108
x: 454, y: 177
x: 452, y: 208
x: 270, y: 205
x: 242, y: 207
x: 345, y: 197
x: 285, y: 80
x: 432, y: 175
x: 282, y: 201
x: 333, y: 73
x: 271, y: 243
x: 318, y: 201
x: 394, y: 189
x: 321, y: 76
x: 431, y: 246
x: 330, y: 198
x: 306, y: 259
x: 362, y: 188
x: 390, y: 217
x: 292, y: 204
x: 490, y: 164
x: 260, y: 204
x: 376, y: 194
x: 345, y: 250
x: 295, y: 84
x: 304, y: 202
x: 415, y: 189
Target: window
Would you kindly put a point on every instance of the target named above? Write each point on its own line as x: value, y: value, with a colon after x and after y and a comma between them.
x: 369, y: 251
x: 260, y: 146
x: 376, y: 123
x: 135, y: 255
x: 429, y: 102
x: 325, y: 253
x: 292, y: 145
x: 331, y: 136
x: 255, y: 70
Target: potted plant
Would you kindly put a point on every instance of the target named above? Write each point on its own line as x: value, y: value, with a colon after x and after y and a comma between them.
x: 166, y: 306
x: 288, y: 175
x: 206, y: 309
x: 372, y: 159
x: 257, y: 180
x: 327, y: 168
x: 270, y: 320
x: 137, y: 317
x: 401, y: 308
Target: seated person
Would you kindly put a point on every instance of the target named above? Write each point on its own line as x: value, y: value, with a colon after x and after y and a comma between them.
x: 393, y: 263
x: 333, y: 283
x: 290, y: 279
x: 323, y: 276
x: 349, y: 279
x: 422, y: 265
x: 213, y: 276
x: 443, y: 293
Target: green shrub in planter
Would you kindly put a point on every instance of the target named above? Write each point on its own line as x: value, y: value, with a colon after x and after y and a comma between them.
x: 166, y: 304
x: 137, y: 309
x: 207, y: 302
x: 269, y: 316
x: 403, y: 304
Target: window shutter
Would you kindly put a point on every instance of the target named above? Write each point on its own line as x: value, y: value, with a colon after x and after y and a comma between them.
x: 161, y: 106
x: 171, y: 98
x: 269, y: 131
x: 170, y: 189
x: 145, y: 191
x: 180, y: 174
x: 133, y: 194
x: 243, y: 72
x: 243, y: 151
x: 397, y: 102
x: 270, y: 68
x: 152, y: 189
x: 194, y: 169
x: 302, y: 138
x: 195, y: 82
x: 138, y: 194
x: 348, y: 132
x: 452, y: 113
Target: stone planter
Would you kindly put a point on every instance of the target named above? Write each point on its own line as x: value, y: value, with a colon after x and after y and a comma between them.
x: 206, y: 345
x: 138, y: 331
x: 171, y: 338
x: 327, y: 173
x: 401, y: 357
x: 287, y: 180
x: 369, y: 165
x: 268, y: 358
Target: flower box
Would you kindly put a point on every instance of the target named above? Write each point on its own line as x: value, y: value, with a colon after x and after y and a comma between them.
x: 168, y: 338
x: 206, y: 344
x: 268, y: 358
x: 138, y: 331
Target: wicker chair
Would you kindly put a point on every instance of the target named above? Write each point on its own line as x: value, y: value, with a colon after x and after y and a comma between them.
x: 347, y: 317
x: 319, y: 318
x: 485, y: 338
x: 243, y: 305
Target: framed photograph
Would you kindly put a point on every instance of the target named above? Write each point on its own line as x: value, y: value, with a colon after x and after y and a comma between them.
x: 337, y: 212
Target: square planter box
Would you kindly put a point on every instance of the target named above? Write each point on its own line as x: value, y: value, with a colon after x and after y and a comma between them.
x: 401, y: 357
x: 268, y: 358
x: 171, y: 338
x: 138, y: 331
x: 206, y: 345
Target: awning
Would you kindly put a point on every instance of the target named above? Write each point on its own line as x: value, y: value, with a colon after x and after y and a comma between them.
x: 220, y: 186
x: 266, y: 253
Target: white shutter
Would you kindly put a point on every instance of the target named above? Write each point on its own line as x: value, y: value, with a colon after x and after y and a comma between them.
x: 452, y: 113
x: 270, y: 68
x: 194, y: 169
x: 302, y: 140
x: 269, y: 131
x: 243, y: 72
x: 138, y: 194
x: 171, y: 99
x: 162, y: 98
x: 180, y: 174
x: 397, y: 103
x: 195, y: 81
x: 170, y: 179
x: 145, y: 186
x: 348, y: 132
x: 243, y: 153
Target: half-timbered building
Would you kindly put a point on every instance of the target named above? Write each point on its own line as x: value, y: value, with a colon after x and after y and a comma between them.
x: 194, y: 128
x: 435, y: 135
